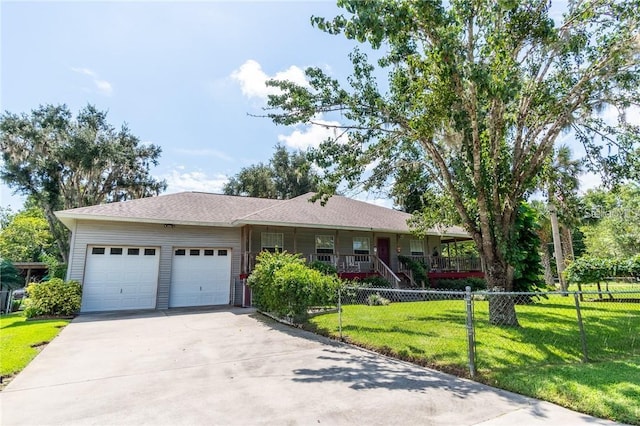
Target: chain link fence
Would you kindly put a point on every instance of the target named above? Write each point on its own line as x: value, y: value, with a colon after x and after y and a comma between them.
x: 482, y: 331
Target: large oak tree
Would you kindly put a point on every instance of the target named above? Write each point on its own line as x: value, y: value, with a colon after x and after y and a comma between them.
x: 63, y: 162
x: 481, y: 90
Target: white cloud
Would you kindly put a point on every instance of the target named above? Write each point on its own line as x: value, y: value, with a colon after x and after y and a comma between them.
x: 205, y: 153
x: 312, y: 135
x: 178, y: 180
x: 253, y: 79
x: 102, y: 86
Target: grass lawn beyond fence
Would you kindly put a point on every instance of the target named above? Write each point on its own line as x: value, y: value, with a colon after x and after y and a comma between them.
x: 542, y: 358
x: 21, y: 340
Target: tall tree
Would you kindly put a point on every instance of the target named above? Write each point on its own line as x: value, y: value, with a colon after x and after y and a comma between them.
x: 481, y: 90
x: 287, y: 175
x: 65, y: 162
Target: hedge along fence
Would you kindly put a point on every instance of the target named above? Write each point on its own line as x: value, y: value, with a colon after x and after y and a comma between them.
x: 283, y: 285
x: 594, y: 270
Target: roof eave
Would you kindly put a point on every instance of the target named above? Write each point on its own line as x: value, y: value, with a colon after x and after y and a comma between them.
x: 70, y: 218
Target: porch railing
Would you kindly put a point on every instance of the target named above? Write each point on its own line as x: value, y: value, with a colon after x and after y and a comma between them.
x: 366, y: 263
x: 449, y: 264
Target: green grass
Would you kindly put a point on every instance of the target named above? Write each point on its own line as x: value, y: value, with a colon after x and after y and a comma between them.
x: 19, y: 339
x: 542, y: 358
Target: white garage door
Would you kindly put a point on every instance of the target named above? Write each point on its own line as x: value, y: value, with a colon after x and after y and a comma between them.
x: 117, y: 278
x: 200, y: 276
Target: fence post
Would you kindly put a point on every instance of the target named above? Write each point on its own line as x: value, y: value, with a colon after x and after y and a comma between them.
x: 340, y: 312
x: 471, y: 341
x: 583, y: 336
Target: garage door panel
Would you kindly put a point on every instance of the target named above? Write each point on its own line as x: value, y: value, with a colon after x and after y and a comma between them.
x: 198, y: 279
x: 120, y: 281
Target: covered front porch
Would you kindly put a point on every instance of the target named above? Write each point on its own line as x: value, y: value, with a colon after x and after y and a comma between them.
x: 358, y: 266
x: 361, y: 253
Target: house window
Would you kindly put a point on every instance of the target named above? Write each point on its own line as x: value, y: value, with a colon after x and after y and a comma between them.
x: 97, y: 250
x: 324, y: 247
x: 208, y: 252
x: 133, y: 251
x: 362, y: 247
x: 115, y: 250
x: 272, y: 241
x: 417, y: 248
x: 180, y: 252
x: 222, y: 252
x: 149, y: 252
x: 194, y: 252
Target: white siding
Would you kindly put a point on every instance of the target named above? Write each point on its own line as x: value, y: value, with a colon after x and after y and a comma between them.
x: 152, y: 235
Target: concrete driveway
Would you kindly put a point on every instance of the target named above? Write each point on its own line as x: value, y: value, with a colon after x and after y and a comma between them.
x: 232, y: 366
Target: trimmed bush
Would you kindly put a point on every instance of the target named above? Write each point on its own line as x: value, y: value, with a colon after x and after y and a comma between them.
x: 53, y: 298
x: 374, y: 281
x: 282, y: 284
x: 460, y: 284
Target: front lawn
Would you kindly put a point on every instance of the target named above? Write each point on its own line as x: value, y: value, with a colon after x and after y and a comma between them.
x: 21, y: 340
x: 541, y: 359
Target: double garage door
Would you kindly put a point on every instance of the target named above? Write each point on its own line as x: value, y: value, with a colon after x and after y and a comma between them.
x: 118, y: 278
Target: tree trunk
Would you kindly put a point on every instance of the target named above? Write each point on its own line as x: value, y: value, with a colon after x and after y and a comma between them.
x: 546, y: 263
x: 567, y: 243
x: 557, y: 244
x: 58, y: 232
x: 502, y: 307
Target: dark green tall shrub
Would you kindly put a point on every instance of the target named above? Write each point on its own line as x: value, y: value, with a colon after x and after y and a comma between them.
x: 282, y: 284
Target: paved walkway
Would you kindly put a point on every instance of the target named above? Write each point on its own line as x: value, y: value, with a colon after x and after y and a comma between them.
x: 232, y: 367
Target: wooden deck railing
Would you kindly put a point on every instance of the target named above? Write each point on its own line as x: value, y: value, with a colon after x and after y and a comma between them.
x: 366, y: 263
x: 449, y: 264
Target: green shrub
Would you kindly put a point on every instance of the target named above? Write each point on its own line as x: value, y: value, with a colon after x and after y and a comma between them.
x: 54, y: 297
x: 418, y: 268
x: 283, y: 285
x: 10, y: 278
x: 375, y: 281
x: 323, y: 267
x: 461, y: 284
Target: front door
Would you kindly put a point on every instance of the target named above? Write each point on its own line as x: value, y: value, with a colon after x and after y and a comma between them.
x: 383, y: 250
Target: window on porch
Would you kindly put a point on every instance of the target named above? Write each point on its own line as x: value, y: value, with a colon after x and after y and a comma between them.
x: 362, y: 247
x: 272, y: 241
x: 325, y: 246
x: 417, y: 248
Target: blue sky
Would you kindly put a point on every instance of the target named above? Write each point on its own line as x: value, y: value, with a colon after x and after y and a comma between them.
x: 182, y: 75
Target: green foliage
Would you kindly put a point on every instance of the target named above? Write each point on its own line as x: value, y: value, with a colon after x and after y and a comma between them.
x: 26, y: 237
x: 612, y: 221
x: 55, y: 268
x: 524, y: 254
x: 282, y: 284
x: 418, y: 268
x: 589, y: 269
x: 54, y: 297
x: 460, y: 284
x: 63, y: 162
x: 475, y: 97
x: 373, y: 281
x: 377, y: 300
x: 323, y: 267
x: 287, y: 175
x: 10, y: 278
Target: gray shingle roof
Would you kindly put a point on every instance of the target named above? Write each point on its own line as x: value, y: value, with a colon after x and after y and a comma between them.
x: 199, y: 208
